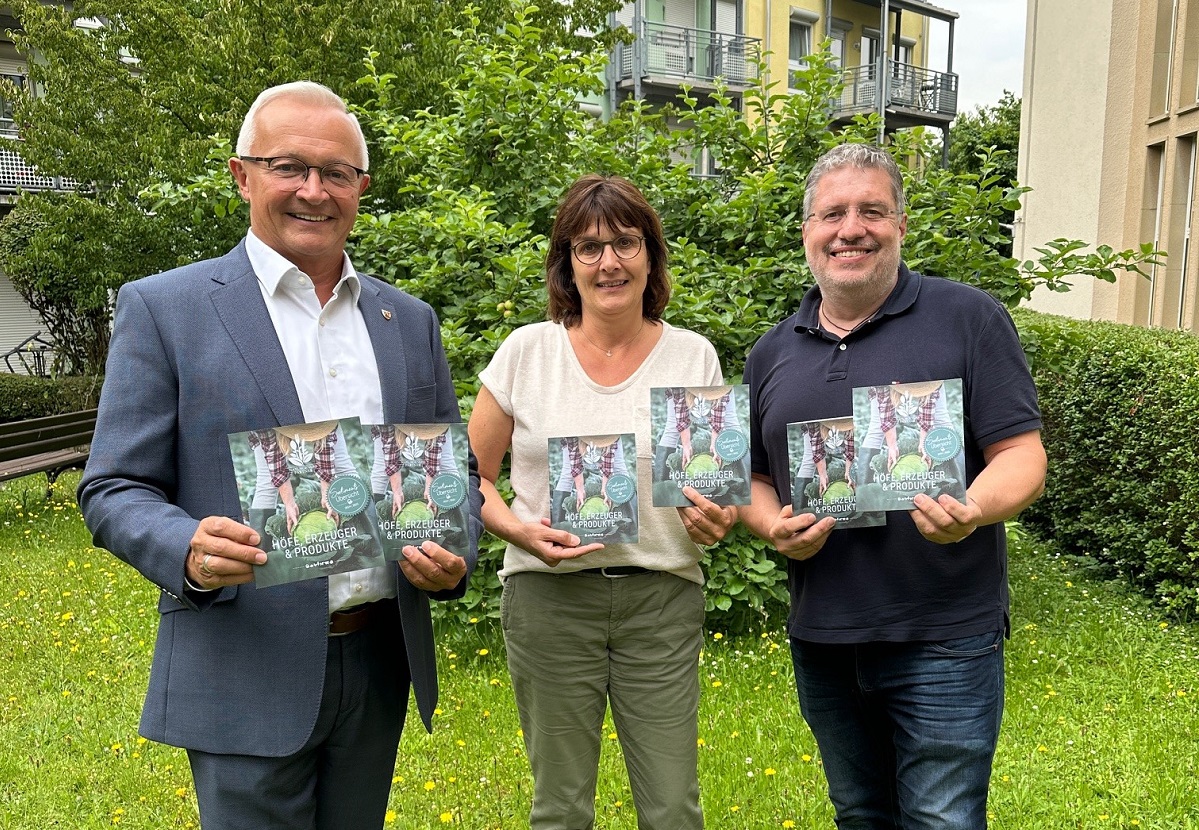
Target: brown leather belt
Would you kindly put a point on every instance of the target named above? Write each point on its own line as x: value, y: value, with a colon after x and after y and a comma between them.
x: 357, y: 618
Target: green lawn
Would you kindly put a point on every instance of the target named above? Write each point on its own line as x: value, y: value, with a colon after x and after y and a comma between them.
x: 1101, y: 728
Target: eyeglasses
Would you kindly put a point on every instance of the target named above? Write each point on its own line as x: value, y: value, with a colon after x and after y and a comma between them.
x: 291, y: 172
x: 833, y: 217
x: 591, y: 251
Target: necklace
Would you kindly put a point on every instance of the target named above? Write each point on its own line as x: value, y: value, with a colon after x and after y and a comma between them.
x: 824, y: 316
x: 608, y: 352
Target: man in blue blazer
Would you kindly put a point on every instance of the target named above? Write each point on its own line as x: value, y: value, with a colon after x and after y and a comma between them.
x: 290, y: 699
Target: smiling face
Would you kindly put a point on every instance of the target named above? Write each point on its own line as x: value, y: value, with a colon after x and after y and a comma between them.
x: 308, y: 226
x: 854, y: 258
x: 612, y: 286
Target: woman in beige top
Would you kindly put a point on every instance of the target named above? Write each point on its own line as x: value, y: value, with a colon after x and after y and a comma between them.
x: 589, y: 625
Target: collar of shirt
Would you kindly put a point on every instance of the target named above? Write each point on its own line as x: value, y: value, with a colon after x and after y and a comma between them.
x: 273, y: 270
x: 901, y: 298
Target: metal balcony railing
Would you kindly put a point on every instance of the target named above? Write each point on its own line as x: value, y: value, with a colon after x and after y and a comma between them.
x: 685, y: 55
x: 16, y: 174
x: 904, y: 86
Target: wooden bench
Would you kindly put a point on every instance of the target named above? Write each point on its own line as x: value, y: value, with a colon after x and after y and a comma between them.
x: 47, y: 445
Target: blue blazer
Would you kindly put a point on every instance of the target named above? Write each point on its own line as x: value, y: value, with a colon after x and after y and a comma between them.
x: 193, y: 357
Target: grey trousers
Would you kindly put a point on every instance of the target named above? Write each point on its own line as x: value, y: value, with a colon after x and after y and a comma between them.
x: 577, y: 642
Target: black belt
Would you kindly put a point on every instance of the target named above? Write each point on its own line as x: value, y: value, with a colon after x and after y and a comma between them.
x: 615, y: 571
x: 356, y: 618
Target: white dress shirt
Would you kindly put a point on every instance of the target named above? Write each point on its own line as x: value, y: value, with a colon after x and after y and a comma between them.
x: 333, y: 367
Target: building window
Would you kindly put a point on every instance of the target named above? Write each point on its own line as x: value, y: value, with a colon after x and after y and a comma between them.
x: 1152, y: 208
x: 870, y: 53
x: 1163, y: 57
x: 837, y: 45
x: 799, y: 46
x: 7, y: 125
x: 1174, y: 288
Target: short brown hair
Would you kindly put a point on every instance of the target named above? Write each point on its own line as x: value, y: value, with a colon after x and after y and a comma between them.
x: 603, y: 200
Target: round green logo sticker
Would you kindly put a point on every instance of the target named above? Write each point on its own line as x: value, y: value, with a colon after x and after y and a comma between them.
x: 942, y: 444
x: 447, y: 491
x: 620, y: 488
x: 731, y: 444
x: 348, y: 495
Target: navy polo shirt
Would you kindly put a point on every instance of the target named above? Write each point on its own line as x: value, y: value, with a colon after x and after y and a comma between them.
x: 889, y: 583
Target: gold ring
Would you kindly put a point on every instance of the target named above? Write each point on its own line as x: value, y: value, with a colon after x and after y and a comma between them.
x: 204, y: 569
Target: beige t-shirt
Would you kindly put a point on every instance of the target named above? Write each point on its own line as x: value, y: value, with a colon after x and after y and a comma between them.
x: 537, y: 380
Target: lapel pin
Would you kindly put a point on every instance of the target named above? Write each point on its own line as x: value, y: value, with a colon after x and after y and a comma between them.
x: 386, y: 314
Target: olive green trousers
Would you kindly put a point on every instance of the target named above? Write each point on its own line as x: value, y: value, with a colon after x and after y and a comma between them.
x: 579, y: 642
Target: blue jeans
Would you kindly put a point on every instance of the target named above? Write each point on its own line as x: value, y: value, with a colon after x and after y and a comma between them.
x: 906, y: 731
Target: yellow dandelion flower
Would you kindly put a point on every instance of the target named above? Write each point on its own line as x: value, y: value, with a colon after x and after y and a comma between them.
x: 717, y: 636
x: 700, y: 742
x: 483, y: 652
x: 769, y: 771
x: 716, y: 684
x: 446, y: 818
x: 430, y: 786
x: 805, y: 757
x: 611, y: 736
x: 735, y: 808
x: 181, y: 792
x: 389, y: 817
x: 788, y: 823
x: 460, y: 742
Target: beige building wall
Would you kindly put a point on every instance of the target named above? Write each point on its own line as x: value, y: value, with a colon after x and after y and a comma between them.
x: 1109, y: 129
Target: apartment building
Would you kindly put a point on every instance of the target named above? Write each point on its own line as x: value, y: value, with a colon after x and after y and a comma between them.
x: 1108, y: 142
x: 883, y: 47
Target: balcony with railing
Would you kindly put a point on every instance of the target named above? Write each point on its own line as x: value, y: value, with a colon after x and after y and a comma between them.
x: 665, y: 55
x: 912, y: 95
x: 15, y: 173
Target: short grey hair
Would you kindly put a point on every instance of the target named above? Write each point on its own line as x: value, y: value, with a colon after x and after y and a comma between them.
x: 304, y: 92
x: 860, y: 157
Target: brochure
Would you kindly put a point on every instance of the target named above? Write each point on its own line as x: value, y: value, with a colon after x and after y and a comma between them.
x: 304, y: 488
x: 913, y: 442
x: 419, y: 481
x: 593, y: 486
x: 824, y: 472
x: 700, y: 438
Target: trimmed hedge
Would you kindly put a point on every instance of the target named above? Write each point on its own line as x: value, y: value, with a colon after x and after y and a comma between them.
x: 22, y: 396
x: 1121, y: 410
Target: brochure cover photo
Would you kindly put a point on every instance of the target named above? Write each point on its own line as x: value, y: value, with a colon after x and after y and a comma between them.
x: 418, y: 478
x: 593, y: 486
x: 913, y: 443
x: 700, y: 438
x: 304, y: 488
x: 823, y: 463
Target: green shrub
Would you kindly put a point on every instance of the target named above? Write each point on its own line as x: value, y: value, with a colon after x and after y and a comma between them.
x: 22, y: 396
x: 1120, y: 406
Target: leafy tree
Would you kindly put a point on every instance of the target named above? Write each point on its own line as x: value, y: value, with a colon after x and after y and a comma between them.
x: 974, y: 135
x: 138, y: 100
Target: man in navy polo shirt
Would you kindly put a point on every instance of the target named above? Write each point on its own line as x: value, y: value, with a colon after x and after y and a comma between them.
x: 896, y: 631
